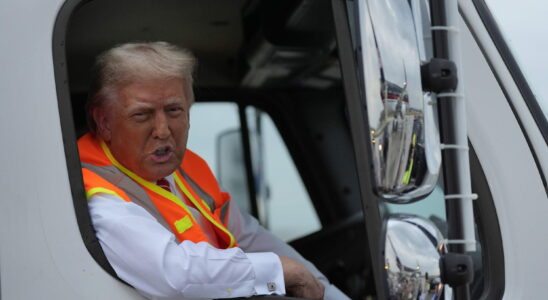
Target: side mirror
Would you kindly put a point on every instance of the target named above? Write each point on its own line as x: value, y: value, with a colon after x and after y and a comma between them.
x: 231, y: 167
x: 232, y: 172
x: 412, y: 250
x: 404, y: 138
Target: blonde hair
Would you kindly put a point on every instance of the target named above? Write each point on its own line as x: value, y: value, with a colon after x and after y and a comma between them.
x: 134, y: 62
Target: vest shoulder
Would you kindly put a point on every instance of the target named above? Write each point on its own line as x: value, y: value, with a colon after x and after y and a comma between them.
x: 95, y: 184
x: 91, y: 152
x: 196, y: 166
x: 192, y: 160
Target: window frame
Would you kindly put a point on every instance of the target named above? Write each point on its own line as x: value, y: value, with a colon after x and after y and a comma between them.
x: 312, y: 175
x: 74, y: 167
x: 490, y: 236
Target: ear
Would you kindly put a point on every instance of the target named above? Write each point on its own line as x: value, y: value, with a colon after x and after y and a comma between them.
x: 103, y: 124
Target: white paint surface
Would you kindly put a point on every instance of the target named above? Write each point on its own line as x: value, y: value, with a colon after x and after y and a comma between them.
x: 42, y: 255
x: 512, y: 175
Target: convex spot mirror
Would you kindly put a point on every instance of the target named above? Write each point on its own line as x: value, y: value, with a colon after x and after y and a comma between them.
x: 412, y: 250
x: 403, y: 137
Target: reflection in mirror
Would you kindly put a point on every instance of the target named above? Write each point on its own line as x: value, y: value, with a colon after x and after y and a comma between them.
x: 231, y: 167
x: 403, y: 135
x: 412, y: 249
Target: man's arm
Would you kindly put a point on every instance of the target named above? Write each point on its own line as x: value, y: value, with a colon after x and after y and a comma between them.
x: 252, y: 237
x: 147, y: 256
x: 299, y: 282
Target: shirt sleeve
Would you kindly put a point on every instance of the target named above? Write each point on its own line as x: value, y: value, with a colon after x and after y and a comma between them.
x: 148, y: 257
x: 252, y: 237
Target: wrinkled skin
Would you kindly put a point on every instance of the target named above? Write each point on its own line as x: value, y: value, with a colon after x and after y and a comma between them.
x: 299, y: 282
x: 146, y: 126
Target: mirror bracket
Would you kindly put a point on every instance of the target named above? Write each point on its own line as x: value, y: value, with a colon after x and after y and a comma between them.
x: 456, y: 269
x: 439, y: 75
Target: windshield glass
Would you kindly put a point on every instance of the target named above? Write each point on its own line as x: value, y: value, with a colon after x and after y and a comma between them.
x: 523, y: 24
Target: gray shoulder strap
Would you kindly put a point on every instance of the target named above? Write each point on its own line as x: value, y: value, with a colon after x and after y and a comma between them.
x: 199, y: 191
x: 134, y: 191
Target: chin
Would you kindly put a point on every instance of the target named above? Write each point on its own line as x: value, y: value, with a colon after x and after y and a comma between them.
x: 163, y: 172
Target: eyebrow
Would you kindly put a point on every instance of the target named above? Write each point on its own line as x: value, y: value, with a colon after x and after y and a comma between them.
x: 137, y: 106
x: 175, y: 101
x: 143, y: 104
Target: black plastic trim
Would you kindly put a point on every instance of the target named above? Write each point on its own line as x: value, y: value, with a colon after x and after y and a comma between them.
x: 451, y: 172
x: 248, y: 161
x: 358, y: 119
x: 513, y: 67
x: 490, y: 236
x: 505, y: 92
x: 74, y: 167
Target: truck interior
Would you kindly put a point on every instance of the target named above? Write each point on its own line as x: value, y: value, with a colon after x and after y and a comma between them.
x: 280, y: 57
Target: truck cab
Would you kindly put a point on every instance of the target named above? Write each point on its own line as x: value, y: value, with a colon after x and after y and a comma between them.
x: 325, y: 119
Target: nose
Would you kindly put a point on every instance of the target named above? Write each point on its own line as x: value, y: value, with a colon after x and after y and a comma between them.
x: 161, y: 127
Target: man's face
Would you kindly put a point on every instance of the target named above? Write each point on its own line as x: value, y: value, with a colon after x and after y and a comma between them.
x: 146, y: 127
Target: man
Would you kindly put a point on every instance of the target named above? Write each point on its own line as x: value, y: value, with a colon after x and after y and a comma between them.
x: 162, y: 220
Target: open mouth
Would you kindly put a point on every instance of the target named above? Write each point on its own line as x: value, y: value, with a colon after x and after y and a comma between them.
x: 162, y: 154
x: 162, y: 151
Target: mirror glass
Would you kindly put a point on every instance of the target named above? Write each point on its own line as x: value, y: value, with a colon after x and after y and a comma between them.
x: 231, y: 167
x: 232, y: 173
x: 403, y: 135
x: 412, y: 249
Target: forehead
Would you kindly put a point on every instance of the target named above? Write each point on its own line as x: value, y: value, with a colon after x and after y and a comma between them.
x: 154, y: 91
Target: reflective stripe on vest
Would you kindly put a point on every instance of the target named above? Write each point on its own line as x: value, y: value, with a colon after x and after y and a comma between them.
x: 95, y: 184
x: 174, y: 214
x: 135, y: 193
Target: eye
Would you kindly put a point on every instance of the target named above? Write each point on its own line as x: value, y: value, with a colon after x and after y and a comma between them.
x: 139, y: 116
x: 175, y: 111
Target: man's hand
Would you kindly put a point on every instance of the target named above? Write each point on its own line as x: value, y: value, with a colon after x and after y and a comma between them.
x: 299, y: 282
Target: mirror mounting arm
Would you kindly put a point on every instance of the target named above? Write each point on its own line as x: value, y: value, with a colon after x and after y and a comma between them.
x: 456, y: 269
x: 439, y: 75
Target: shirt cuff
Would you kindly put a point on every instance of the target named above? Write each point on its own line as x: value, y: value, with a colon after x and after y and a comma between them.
x: 269, y: 278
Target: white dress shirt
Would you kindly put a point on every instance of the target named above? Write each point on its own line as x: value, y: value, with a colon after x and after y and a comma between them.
x: 149, y: 257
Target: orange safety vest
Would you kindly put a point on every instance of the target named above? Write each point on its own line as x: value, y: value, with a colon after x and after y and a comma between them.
x: 103, y: 174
